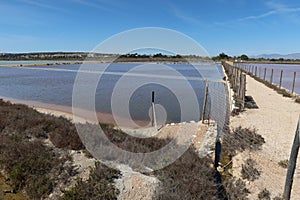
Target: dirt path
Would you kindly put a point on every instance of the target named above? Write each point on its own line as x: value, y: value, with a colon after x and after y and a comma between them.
x: 276, y: 120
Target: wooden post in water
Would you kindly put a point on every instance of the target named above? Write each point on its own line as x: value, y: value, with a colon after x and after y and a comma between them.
x: 255, y: 71
x: 259, y: 73
x: 204, y: 103
x: 292, y: 165
x: 294, y: 80
x: 271, y: 78
x: 153, y: 112
x: 280, y: 80
x: 265, y: 73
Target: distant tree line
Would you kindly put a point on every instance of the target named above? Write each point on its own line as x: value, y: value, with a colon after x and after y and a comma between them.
x: 244, y: 57
x: 158, y: 55
x: 130, y: 57
x: 44, y: 56
x: 95, y: 56
x: 223, y: 56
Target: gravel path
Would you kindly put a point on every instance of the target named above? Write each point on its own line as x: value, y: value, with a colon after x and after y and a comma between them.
x: 276, y: 120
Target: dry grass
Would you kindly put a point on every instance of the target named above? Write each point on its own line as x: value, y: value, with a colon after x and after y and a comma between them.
x: 249, y: 171
x: 240, y: 139
x: 20, y: 119
x: 189, y: 177
x: 100, y: 185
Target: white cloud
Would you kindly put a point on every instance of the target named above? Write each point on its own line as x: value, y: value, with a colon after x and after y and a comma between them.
x: 275, y: 9
x: 42, y: 4
x: 180, y: 14
x: 98, y: 5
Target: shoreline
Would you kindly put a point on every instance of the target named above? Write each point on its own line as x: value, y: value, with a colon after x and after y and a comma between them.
x: 80, y: 62
x: 36, y: 63
x: 84, y: 117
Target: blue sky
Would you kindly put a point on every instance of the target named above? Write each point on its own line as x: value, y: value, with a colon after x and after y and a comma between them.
x: 232, y: 26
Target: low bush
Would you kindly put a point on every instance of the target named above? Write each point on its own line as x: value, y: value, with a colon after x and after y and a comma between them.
x: 20, y: 119
x: 100, y: 185
x: 283, y: 163
x: 133, y: 144
x: 297, y: 100
x: 249, y: 171
x: 264, y: 195
x: 189, y: 177
x: 241, y: 139
x: 31, y: 166
x: 235, y: 189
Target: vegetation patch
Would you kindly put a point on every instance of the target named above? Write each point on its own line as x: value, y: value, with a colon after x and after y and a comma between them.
x: 264, y: 195
x: 31, y: 166
x: 297, y: 100
x: 249, y: 171
x: 189, y: 177
x: 234, y: 141
x: 20, y: 119
x: 241, y: 139
x: 36, y: 168
x: 283, y: 163
x: 133, y: 144
x: 236, y: 189
x: 100, y: 185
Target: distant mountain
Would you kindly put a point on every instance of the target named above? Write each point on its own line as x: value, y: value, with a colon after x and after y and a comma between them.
x: 292, y: 56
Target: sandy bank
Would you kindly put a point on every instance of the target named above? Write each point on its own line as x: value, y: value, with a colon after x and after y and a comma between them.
x: 82, y: 117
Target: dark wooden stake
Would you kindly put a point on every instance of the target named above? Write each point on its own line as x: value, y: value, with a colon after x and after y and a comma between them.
x: 204, y: 103
x: 280, y: 80
x: 271, y: 78
x: 265, y: 73
x: 294, y: 80
x: 153, y: 111
x: 255, y: 70
x: 292, y: 165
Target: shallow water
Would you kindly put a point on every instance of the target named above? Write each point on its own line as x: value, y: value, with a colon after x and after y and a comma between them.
x: 54, y: 85
x: 287, y: 76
